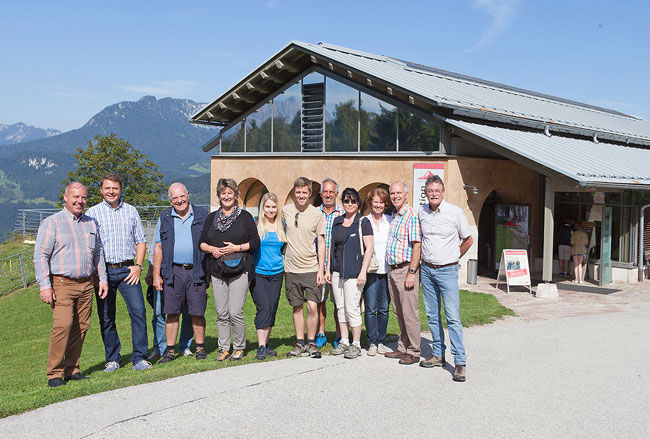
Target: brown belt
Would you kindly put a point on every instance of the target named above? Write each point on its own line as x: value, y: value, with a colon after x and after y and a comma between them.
x: 439, y: 266
x: 398, y: 266
x: 128, y: 263
x: 69, y: 279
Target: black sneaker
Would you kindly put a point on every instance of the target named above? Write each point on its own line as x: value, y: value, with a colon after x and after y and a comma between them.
x: 261, y: 353
x: 270, y: 352
x: 201, y: 354
x: 167, y: 357
x: 55, y: 382
x: 76, y: 377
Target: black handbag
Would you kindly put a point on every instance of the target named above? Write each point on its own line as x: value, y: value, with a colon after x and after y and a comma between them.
x: 233, y: 264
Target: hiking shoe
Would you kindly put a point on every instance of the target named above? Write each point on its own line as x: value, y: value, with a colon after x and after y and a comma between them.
x: 187, y: 353
x: 433, y: 361
x: 201, y: 354
x: 261, y: 353
x: 381, y: 349
x: 297, y: 351
x: 76, y: 377
x: 312, y: 350
x: 168, y: 357
x: 55, y: 382
x: 459, y: 373
x: 142, y: 365
x: 320, y: 340
x: 270, y: 352
x: 111, y: 366
x: 223, y: 355
x: 237, y: 355
x: 336, y: 342
x: 155, y: 356
x: 340, y: 349
x: 372, y: 350
x: 352, y: 352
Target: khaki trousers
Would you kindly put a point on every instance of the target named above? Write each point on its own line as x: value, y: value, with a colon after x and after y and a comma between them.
x: 71, y: 312
x: 405, y: 306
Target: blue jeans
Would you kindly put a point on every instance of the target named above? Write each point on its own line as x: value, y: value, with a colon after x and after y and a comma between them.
x: 158, y: 325
x: 134, y: 299
x: 376, y: 302
x: 437, y: 284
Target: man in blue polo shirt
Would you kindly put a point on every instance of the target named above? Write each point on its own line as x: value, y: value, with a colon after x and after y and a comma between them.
x: 178, y: 268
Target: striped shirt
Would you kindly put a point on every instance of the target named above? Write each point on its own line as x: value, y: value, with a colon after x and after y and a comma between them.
x: 404, y: 231
x: 67, y: 246
x: 120, y: 230
x: 329, y: 220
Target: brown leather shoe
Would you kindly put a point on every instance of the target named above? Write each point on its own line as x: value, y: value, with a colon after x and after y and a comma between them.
x: 459, y: 373
x: 395, y: 354
x: 409, y: 359
x: 433, y: 361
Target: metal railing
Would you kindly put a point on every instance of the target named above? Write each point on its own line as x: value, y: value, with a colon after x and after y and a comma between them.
x: 17, y: 271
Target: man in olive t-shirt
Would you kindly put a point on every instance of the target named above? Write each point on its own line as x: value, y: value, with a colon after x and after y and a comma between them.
x: 304, y: 269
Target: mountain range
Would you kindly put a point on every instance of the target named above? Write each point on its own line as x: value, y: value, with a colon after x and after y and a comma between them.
x: 31, y: 171
x: 20, y: 132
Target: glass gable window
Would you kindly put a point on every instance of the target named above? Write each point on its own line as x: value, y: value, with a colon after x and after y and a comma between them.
x: 342, y: 117
x: 233, y: 139
x: 378, y: 125
x: 286, y: 120
x: 258, y: 130
x: 352, y: 121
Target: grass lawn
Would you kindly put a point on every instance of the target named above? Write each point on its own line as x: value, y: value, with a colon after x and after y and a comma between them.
x: 14, y: 246
x: 26, y: 325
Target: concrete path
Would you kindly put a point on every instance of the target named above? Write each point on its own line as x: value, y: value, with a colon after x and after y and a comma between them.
x: 580, y: 376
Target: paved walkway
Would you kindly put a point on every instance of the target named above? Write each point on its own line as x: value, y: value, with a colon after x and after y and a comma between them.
x: 571, y: 370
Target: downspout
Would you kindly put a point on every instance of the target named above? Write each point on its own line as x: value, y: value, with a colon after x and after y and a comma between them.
x: 641, y: 226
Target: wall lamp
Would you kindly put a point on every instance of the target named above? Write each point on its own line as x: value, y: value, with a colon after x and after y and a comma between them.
x: 474, y: 189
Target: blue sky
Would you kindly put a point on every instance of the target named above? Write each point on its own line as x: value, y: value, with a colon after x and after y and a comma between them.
x: 62, y: 62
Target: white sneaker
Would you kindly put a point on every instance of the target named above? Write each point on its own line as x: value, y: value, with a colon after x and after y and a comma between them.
x: 575, y: 281
x: 187, y: 353
x: 111, y: 366
x: 372, y: 350
x: 381, y: 349
x: 142, y: 365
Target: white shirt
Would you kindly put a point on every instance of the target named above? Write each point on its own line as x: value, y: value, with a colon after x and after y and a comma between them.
x: 442, y: 232
x: 380, y: 235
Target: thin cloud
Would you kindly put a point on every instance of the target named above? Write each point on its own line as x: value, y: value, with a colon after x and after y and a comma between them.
x: 502, y: 13
x: 166, y: 88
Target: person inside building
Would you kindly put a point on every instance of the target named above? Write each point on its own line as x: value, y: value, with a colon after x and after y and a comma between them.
x: 564, y: 245
x: 579, y: 243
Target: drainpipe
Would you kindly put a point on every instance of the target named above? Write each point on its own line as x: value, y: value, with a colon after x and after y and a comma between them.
x: 641, y: 225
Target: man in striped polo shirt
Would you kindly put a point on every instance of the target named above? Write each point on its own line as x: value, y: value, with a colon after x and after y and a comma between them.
x: 403, y: 256
x: 66, y: 257
x: 122, y: 237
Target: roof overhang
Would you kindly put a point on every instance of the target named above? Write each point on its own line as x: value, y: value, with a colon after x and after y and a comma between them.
x: 582, y: 161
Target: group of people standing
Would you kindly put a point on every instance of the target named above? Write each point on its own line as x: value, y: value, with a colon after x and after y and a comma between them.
x: 363, y: 262
x: 573, y: 243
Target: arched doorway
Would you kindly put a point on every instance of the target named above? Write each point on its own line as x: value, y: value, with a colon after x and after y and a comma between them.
x: 315, y: 198
x: 486, y: 234
x: 251, y: 192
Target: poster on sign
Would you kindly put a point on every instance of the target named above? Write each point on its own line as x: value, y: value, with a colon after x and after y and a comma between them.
x: 514, y: 267
x: 422, y: 171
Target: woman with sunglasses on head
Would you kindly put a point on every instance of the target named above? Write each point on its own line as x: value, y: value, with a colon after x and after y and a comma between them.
x: 230, y: 237
x: 269, y: 269
x: 346, y: 270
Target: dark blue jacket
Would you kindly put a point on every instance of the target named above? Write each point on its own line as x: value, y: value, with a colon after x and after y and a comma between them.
x: 167, y: 243
x: 352, y: 260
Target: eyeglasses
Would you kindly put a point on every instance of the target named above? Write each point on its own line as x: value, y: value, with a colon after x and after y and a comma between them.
x: 295, y: 223
x: 349, y: 201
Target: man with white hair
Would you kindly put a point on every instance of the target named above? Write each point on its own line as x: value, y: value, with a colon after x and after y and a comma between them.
x: 179, y: 268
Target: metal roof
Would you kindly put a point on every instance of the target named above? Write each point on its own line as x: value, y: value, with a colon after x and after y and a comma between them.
x: 584, y: 161
x: 463, y: 95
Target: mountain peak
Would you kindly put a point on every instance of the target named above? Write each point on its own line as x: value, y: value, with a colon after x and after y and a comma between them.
x: 21, y: 132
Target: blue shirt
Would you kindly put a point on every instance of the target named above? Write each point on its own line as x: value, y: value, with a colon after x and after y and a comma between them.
x: 268, y: 258
x: 183, y: 247
x: 120, y: 230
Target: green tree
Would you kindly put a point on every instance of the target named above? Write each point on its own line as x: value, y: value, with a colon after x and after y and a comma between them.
x: 141, y: 182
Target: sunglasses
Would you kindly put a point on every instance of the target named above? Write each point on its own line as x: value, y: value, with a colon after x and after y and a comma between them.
x: 295, y: 222
x: 349, y: 201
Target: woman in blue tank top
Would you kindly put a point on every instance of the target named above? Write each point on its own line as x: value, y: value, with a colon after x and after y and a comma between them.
x: 269, y: 268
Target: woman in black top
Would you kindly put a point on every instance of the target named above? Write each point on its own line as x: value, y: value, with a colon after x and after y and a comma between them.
x: 230, y: 237
x: 346, y: 270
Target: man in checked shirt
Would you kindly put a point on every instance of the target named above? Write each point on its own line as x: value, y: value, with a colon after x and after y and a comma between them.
x: 66, y: 256
x: 122, y: 237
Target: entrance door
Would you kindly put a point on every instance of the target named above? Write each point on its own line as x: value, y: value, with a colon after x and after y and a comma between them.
x: 512, y: 224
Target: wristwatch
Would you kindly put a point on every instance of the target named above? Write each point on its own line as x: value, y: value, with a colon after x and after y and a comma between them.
x: 412, y: 270
x: 138, y: 265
